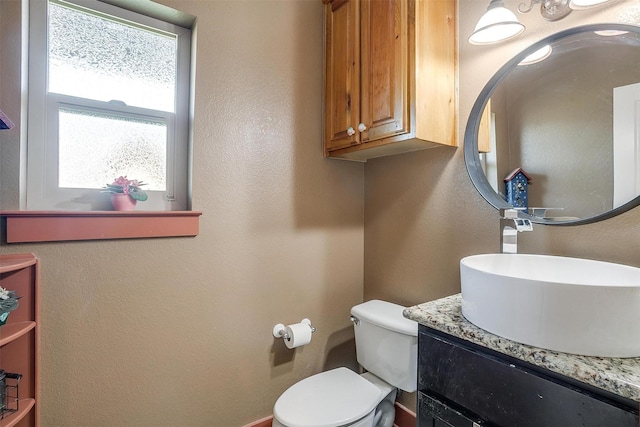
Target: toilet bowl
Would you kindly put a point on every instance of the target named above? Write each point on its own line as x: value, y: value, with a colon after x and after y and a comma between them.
x: 386, y: 346
x: 335, y: 398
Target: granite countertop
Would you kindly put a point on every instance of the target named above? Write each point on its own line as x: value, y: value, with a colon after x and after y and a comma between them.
x: 616, y: 375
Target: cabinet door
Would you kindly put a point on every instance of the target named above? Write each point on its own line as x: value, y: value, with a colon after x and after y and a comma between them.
x: 433, y: 412
x: 342, y: 97
x: 511, y: 393
x: 384, y: 73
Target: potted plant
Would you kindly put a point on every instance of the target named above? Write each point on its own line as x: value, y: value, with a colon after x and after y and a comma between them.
x: 125, y: 193
x: 8, y: 303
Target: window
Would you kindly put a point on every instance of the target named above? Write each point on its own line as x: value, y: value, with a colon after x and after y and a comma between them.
x: 108, y: 96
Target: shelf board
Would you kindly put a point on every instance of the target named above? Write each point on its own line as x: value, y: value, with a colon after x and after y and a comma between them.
x: 25, y: 406
x: 60, y: 226
x: 12, y: 331
x: 10, y: 263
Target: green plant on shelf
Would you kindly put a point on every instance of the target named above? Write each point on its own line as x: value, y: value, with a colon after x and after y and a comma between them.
x: 8, y: 303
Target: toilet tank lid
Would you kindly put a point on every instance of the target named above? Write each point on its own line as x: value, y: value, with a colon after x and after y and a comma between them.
x: 385, y: 315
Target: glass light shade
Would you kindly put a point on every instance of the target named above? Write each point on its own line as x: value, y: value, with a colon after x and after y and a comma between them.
x: 585, y: 4
x: 537, y: 56
x: 610, y: 33
x: 497, y: 24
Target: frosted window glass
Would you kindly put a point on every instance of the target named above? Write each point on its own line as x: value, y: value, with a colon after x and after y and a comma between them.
x: 95, y: 148
x: 91, y: 56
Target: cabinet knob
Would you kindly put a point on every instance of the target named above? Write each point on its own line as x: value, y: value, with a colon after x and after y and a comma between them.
x: 350, y: 131
x: 362, y: 127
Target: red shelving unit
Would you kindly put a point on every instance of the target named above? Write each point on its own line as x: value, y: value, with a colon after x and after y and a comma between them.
x: 20, y: 337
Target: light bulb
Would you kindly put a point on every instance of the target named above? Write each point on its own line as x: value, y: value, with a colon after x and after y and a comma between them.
x: 497, y: 24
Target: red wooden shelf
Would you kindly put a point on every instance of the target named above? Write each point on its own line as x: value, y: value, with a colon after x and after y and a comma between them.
x: 15, y: 262
x: 13, y: 331
x: 25, y: 406
x: 58, y: 226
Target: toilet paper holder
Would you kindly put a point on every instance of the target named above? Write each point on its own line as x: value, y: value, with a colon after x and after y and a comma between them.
x: 280, y: 331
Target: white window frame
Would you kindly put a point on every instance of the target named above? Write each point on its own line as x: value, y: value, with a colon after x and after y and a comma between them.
x: 42, y: 141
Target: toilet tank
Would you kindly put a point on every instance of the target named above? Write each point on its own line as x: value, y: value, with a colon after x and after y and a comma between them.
x: 387, y: 343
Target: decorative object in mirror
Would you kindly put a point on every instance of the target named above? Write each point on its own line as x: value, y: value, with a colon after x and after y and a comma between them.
x: 5, y: 122
x: 569, y: 120
x: 498, y: 23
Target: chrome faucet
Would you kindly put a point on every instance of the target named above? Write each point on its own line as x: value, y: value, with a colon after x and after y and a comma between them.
x: 509, y: 234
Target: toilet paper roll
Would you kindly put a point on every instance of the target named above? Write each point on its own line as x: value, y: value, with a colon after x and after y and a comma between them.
x: 299, y: 334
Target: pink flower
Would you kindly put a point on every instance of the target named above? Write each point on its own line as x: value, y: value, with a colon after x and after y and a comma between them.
x: 122, y: 181
x: 125, y: 183
x: 127, y: 186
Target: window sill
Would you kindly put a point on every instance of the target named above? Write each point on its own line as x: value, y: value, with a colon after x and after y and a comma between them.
x: 58, y: 226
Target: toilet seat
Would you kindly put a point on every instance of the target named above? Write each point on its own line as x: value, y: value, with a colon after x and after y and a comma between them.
x: 329, y: 399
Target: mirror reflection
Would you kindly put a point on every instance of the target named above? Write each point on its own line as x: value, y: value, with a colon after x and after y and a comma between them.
x: 557, y: 135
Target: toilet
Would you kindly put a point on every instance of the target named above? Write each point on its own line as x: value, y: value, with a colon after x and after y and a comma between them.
x: 386, y: 347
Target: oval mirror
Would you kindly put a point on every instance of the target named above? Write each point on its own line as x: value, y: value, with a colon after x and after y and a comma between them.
x: 556, y: 131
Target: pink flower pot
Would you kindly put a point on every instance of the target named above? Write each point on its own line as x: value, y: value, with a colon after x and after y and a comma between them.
x: 123, y: 202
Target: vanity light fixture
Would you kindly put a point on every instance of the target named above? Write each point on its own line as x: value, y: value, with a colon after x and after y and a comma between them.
x: 497, y: 24
x: 585, y: 4
x: 551, y: 10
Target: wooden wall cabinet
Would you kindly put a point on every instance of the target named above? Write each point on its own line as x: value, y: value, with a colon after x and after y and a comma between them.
x: 390, y: 77
x: 20, y: 337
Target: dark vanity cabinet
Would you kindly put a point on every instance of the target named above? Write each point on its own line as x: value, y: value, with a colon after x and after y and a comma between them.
x: 461, y: 384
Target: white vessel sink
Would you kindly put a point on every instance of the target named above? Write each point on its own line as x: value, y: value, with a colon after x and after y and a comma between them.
x: 571, y: 305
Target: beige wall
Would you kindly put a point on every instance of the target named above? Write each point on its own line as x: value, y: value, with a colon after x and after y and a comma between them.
x: 177, y: 332
x: 9, y: 102
x: 422, y: 213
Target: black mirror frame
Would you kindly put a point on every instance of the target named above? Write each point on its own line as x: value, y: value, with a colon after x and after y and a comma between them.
x: 472, y: 157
